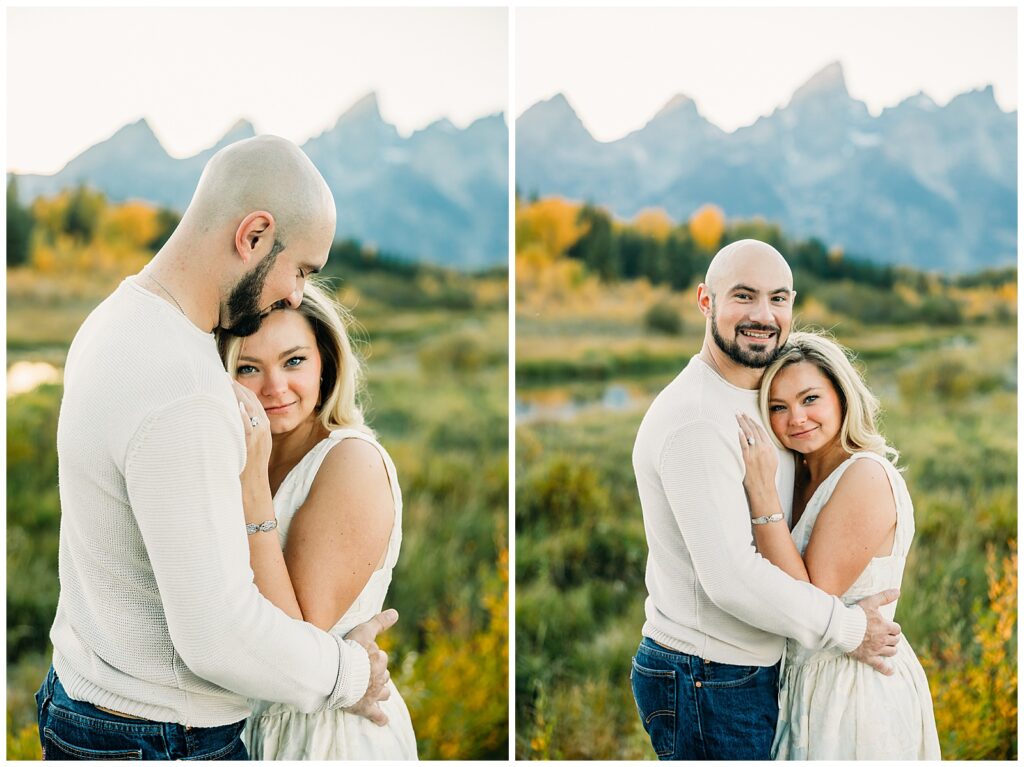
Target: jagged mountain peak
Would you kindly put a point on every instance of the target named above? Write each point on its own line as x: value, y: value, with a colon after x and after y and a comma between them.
x: 141, y: 124
x: 241, y: 129
x: 926, y: 186
x: 919, y: 100
x: 496, y: 118
x: 554, y: 114
x: 443, y: 202
x: 677, y: 103
x: 442, y: 125
x: 557, y: 105
x: 140, y: 129
x: 488, y: 123
x: 557, y: 108
x: 559, y: 99
x: 830, y: 79
x: 137, y: 136
x: 984, y: 97
x: 366, y: 107
x: 242, y: 125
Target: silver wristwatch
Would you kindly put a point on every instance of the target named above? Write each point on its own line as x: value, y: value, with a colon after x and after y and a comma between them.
x: 765, y: 520
x: 261, y: 527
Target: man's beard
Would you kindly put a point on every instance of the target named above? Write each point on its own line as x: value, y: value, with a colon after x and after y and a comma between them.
x: 244, y: 309
x: 751, y: 358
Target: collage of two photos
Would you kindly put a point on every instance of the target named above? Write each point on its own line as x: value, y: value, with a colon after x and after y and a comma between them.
x: 328, y: 223
x: 512, y: 383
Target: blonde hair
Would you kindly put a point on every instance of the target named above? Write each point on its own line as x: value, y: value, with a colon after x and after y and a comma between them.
x: 341, y: 381
x: 859, y: 406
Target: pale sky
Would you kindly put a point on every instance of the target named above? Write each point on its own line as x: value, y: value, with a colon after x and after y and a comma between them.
x: 77, y: 75
x: 618, y: 67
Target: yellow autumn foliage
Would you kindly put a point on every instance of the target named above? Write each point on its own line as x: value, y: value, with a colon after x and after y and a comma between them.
x: 49, y: 212
x: 975, y: 688
x: 653, y: 222
x: 23, y: 742
x: 707, y: 225
x: 551, y: 223
x: 119, y: 244
x: 907, y: 294
x: 132, y: 223
x: 457, y: 690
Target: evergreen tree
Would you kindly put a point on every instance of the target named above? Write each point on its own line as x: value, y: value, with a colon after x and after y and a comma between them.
x: 598, y: 248
x: 83, y: 213
x: 167, y: 221
x: 19, y: 226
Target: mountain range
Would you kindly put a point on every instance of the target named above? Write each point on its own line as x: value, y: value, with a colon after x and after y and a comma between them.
x: 439, y: 195
x: 918, y: 185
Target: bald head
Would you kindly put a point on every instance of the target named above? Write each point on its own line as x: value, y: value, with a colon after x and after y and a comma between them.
x: 264, y: 173
x: 741, y: 261
x: 747, y: 301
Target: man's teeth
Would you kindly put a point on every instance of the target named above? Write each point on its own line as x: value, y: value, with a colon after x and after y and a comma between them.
x: 757, y: 333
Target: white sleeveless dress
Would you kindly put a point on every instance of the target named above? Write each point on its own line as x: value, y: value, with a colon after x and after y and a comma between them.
x: 834, y: 707
x: 278, y: 731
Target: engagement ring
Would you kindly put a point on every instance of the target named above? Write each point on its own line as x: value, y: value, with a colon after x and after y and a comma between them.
x: 254, y: 422
x: 750, y: 440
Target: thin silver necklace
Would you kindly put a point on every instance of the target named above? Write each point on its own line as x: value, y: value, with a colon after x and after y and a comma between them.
x: 165, y: 290
x: 710, y: 361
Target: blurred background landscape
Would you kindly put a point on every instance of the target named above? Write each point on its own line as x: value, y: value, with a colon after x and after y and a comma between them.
x: 921, y: 184
x: 438, y: 195
x: 421, y: 260
x: 877, y: 216
x: 436, y: 347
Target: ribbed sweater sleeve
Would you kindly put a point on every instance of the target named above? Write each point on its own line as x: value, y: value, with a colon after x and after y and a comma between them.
x: 178, y: 471
x: 703, y: 483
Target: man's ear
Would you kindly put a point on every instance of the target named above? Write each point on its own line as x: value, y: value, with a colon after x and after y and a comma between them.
x: 255, y: 236
x: 704, y: 299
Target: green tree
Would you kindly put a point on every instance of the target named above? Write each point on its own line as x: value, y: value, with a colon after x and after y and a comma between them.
x: 19, y: 226
x: 167, y: 221
x: 82, y: 216
x: 599, y: 247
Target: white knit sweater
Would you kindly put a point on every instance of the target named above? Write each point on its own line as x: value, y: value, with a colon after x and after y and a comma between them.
x: 158, y: 614
x: 710, y: 594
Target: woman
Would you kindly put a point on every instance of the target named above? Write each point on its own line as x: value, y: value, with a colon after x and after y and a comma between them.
x: 338, y: 508
x: 853, y: 522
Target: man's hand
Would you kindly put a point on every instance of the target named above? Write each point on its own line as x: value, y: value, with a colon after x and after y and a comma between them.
x: 882, y: 635
x: 365, y: 634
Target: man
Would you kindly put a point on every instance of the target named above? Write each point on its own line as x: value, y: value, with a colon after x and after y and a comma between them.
x: 706, y: 677
x: 160, y: 634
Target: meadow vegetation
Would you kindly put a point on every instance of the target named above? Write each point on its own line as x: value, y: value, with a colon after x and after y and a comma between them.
x: 435, y: 344
x: 593, y: 349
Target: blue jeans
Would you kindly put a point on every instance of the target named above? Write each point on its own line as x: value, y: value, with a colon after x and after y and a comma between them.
x: 71, y: 729
x: 697, y: 709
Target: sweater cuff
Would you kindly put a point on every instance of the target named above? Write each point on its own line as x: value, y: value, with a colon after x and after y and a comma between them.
x: 353, y: 674
x: 853, y: 625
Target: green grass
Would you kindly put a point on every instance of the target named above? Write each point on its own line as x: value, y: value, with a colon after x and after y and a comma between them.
x: 438, y: 398
x: 949, y: 407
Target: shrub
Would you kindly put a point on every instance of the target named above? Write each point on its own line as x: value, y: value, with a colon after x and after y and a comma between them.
x: 975, y: 688
x: 663, y: 317
x: 33, y: 514
x: 559, y: 493
x: 949, y: 375
x: 456, y: 689
x: 464, y: 351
